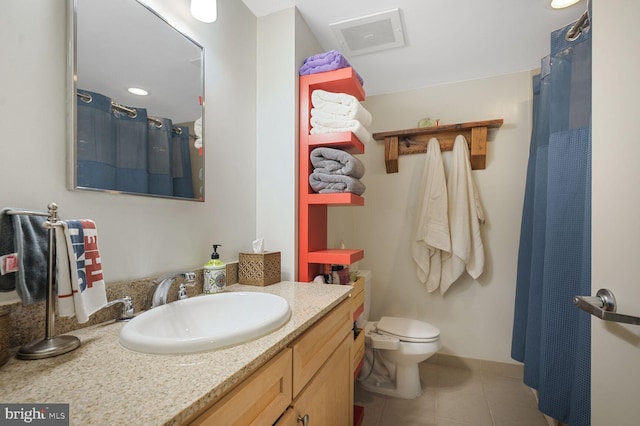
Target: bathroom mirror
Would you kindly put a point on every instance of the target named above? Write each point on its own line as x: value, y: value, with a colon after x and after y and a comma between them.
x: 122, y: 142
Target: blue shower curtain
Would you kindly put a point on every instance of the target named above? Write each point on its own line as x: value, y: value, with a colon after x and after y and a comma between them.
x: 159, y: 156
x: 96, y: 147
x: 550, y: 335
x: 181, y: 162
x: 132, y: 149
x: 122, y: 148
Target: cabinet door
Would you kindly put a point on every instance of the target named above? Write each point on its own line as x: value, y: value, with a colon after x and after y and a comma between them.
x: 358, y: 353
x: 357, y: 298
x: 259, y: 400
x: 328, y: 398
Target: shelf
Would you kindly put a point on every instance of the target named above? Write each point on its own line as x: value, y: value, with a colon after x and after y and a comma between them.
x: 336, y: 256
x: 339, y: 199
x: 313, y: 207
x: 345, y: 141
x: 339, y: 81
x: 413, y: 141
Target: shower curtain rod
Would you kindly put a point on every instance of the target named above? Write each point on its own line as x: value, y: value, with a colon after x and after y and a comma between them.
x: 131, y: 112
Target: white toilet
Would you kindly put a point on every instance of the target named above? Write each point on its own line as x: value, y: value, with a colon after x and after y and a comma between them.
x: 393, y: 349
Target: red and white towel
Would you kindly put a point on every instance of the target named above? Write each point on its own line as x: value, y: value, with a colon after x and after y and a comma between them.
x: 81, y: 286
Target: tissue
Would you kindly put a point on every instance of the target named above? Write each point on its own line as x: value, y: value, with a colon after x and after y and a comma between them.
x: 258, y: 245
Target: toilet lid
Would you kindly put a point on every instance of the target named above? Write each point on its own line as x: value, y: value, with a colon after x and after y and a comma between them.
x: 408, y: 330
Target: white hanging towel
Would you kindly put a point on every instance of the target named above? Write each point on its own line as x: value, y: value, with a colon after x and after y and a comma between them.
x: 465, y: 217
x: 432, y: 224
x: 65, y: 307
x: 80, y: 270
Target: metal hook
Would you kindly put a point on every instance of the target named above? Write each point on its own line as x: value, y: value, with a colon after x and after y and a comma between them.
x: 155, y: 121
x: 84, y: 97
x: 582, y: 24
x: 131, y: 112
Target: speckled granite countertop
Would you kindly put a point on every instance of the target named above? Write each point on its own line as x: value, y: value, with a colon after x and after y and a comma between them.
x: 107, y: 384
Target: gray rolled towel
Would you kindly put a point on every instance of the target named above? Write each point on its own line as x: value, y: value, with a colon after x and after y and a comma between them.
x: 336, y: 161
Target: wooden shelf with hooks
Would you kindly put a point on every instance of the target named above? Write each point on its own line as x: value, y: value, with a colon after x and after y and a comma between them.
x: 413, y: 141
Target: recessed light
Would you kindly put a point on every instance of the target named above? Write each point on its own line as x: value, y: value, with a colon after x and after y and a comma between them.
x: 137, y: 91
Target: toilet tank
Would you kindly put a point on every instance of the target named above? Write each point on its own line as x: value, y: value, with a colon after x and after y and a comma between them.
x: 364, y: 317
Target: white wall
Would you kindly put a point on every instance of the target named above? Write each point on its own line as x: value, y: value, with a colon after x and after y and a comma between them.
x: 284, y: 40
x: 615, y: 377
x: 139, y: 236
x: 475, y: 317
x: 276, y: 139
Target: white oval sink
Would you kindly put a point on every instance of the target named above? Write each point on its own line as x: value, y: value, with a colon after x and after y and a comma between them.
x: 205, y: 322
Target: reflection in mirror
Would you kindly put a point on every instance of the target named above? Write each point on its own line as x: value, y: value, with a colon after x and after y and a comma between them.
x: 149, y: 143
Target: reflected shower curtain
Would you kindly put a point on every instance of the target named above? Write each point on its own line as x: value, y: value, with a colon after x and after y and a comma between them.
x: 181, y: 162
x: 550, y: 335
x: 132, y: 150
x: 159, y: 156
x: 96, y: 147
x: 123, y: 148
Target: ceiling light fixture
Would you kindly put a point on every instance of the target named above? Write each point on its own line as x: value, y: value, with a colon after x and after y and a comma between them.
x: 137, y: 91
x: 561, y: 4
x: 204, y: 10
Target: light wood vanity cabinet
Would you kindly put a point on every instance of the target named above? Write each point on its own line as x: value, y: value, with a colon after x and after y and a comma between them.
x: 328, y: 398
x: 262, y: 396
x: 312, y: 376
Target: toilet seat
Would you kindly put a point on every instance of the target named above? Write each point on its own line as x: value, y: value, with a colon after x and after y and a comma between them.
x: 408, y: 330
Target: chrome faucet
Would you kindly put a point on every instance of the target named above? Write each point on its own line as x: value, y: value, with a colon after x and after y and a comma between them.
x: 127, y: 308
x: 164, y: 284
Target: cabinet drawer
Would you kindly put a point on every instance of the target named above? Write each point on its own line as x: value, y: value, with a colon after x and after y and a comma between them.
x: 358, y: 353
x: 260, y: 399
x: 312, y: 349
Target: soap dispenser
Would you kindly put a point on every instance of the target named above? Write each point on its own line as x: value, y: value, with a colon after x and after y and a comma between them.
x: 215, y: 275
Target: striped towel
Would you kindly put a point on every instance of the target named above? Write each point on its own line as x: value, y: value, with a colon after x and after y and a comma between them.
x: 81, y: 286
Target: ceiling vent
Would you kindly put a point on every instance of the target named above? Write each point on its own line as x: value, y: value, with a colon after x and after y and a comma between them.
x: 370, y: 33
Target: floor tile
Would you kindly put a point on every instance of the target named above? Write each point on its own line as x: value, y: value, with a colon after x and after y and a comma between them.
x: 465, y: 407
x: 455, y: 397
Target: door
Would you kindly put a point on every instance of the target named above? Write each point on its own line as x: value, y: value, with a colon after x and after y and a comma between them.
x: 615, y: 362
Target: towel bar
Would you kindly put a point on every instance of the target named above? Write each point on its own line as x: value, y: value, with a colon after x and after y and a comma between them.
x: 51, y: 345
x: 603, y: 306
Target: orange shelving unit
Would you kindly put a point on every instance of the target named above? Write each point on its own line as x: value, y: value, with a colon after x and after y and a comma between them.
x: 312, y: 240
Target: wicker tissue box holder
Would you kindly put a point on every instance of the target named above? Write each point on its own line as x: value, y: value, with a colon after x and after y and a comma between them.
x: 259, y: 268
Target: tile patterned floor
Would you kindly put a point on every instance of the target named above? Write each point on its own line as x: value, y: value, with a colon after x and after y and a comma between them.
x: 455, y: 397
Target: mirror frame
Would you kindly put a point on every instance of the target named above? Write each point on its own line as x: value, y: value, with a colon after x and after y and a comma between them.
x: 72, y: 110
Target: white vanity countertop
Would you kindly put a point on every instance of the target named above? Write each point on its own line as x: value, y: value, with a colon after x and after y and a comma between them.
x: 105, y: 383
